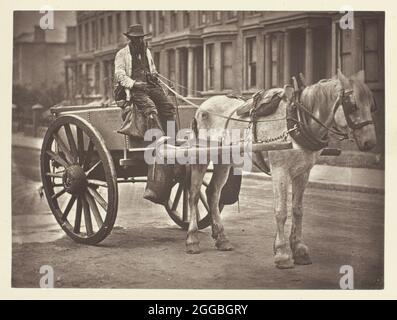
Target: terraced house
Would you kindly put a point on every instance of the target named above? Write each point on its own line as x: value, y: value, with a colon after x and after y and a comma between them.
x: 213, y: 52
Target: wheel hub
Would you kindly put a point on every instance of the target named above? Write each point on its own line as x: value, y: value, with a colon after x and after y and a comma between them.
x: 74, y: 179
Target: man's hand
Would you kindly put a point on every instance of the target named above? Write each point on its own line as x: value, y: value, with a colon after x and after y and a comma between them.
x: 139, y: 85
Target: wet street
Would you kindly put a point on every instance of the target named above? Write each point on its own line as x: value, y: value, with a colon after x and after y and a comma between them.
x: 147, y: 250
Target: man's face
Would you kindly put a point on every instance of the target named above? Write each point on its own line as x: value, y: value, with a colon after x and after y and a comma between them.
x: 138, y: 41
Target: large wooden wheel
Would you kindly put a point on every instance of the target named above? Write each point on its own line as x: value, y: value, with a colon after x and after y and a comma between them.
x: 79, y: 179
x: 178, y: 205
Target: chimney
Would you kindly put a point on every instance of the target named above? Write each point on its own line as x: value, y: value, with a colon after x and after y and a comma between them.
x: 39, y: 34
x: 70, y: 34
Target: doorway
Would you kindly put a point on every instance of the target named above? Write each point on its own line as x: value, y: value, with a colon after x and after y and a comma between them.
x: 297, y: 54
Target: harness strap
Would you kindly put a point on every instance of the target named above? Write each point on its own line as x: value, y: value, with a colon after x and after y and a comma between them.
x: 262, y: 165
x: 325, y: 125
x: 230, y: 117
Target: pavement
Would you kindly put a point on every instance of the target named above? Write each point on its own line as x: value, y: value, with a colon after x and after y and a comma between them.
x: 321, y: 176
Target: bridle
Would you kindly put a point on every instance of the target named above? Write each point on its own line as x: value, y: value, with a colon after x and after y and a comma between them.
x: 344, y: 100
x: 349, y: 108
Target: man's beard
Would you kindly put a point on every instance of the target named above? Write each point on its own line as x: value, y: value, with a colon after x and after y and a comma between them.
x: 137, y: 46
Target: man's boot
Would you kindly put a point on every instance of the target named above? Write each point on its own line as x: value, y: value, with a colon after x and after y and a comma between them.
x: 169, y: 125
x: 160, y: 179
x: 153, y: 122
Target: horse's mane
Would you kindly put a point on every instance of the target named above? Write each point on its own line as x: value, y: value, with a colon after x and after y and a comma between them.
x: 323, y: 93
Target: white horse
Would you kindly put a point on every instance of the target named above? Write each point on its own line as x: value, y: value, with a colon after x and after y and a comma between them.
x: 323, y: 100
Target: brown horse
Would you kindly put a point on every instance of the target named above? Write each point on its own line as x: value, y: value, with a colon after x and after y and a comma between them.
x: 287, y: 166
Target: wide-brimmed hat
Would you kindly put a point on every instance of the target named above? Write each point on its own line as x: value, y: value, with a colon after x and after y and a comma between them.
x: 135, y: 30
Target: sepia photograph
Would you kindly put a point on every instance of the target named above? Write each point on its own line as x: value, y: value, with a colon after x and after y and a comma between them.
x: 187, y: 149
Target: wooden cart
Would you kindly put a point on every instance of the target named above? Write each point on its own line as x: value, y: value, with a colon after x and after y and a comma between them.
x: 82, y: 161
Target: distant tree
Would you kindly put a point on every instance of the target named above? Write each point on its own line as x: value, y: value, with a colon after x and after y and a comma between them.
x: 52, y: 96
x: 25, y: 98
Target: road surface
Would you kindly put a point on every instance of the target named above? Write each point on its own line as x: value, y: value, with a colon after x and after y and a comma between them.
x: 146, y: 249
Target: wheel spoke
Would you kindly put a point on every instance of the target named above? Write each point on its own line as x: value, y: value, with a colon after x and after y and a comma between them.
x: 177, y: 197
x: 94, y: 210
x: 72, y: 143
x: 97, y: 183
x: 58, y: 194
x: 98, y: 198
x: 87, y: 217
x: 93, y: 168
x: 57, y: 158
x: 185, y: 203
x: 68, y: 207
x: 57, y: 185
x: 63, y: 148
x: 54, y: 174
x: 88, y: 156
x: 77, y: 222
x: 80, y: 145
x: 204, y: 201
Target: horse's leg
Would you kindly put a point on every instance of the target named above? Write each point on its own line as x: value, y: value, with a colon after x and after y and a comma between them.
x: 280, y: 181
x: 219, y: 178
x: 300, y: 251
x: 197, y: 176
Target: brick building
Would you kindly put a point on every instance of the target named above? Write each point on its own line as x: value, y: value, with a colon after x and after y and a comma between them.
x: 38, y: 63
x: 213, y: 52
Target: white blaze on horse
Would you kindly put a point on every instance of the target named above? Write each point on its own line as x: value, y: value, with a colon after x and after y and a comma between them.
x: 339, y: 103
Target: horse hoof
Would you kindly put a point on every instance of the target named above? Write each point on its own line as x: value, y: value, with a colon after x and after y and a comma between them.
x: 283, y: 261
x: 302, y: 260
x: 224, y: 245
x: 301, y: 255
x: 193, y: 248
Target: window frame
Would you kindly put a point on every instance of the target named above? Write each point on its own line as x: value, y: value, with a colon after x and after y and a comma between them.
x: 149, y: 21
x: 87, y: 44
x: 378, y: 50
x: 223, y: 66
x: 173, y: 21
x: 102, y: 31
x: 214, y: 18
x: 249, y: 54
x: 161, y: 22
x: 171, y: 62
x: 128, y: 19
x: 339, y: 48
x: 80, y: 37
x: 94, y: 35
x: 138, y: 18
x: 110, y: 29
x: 186, y: 22
x: 210, y: 66
x: 118, y: 26
x: 202, y: 14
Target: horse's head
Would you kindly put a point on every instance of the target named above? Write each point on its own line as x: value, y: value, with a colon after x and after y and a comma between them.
x: 358, y: 105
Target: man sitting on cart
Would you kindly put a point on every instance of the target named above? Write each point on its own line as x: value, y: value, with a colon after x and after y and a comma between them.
x: 135, y: 70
